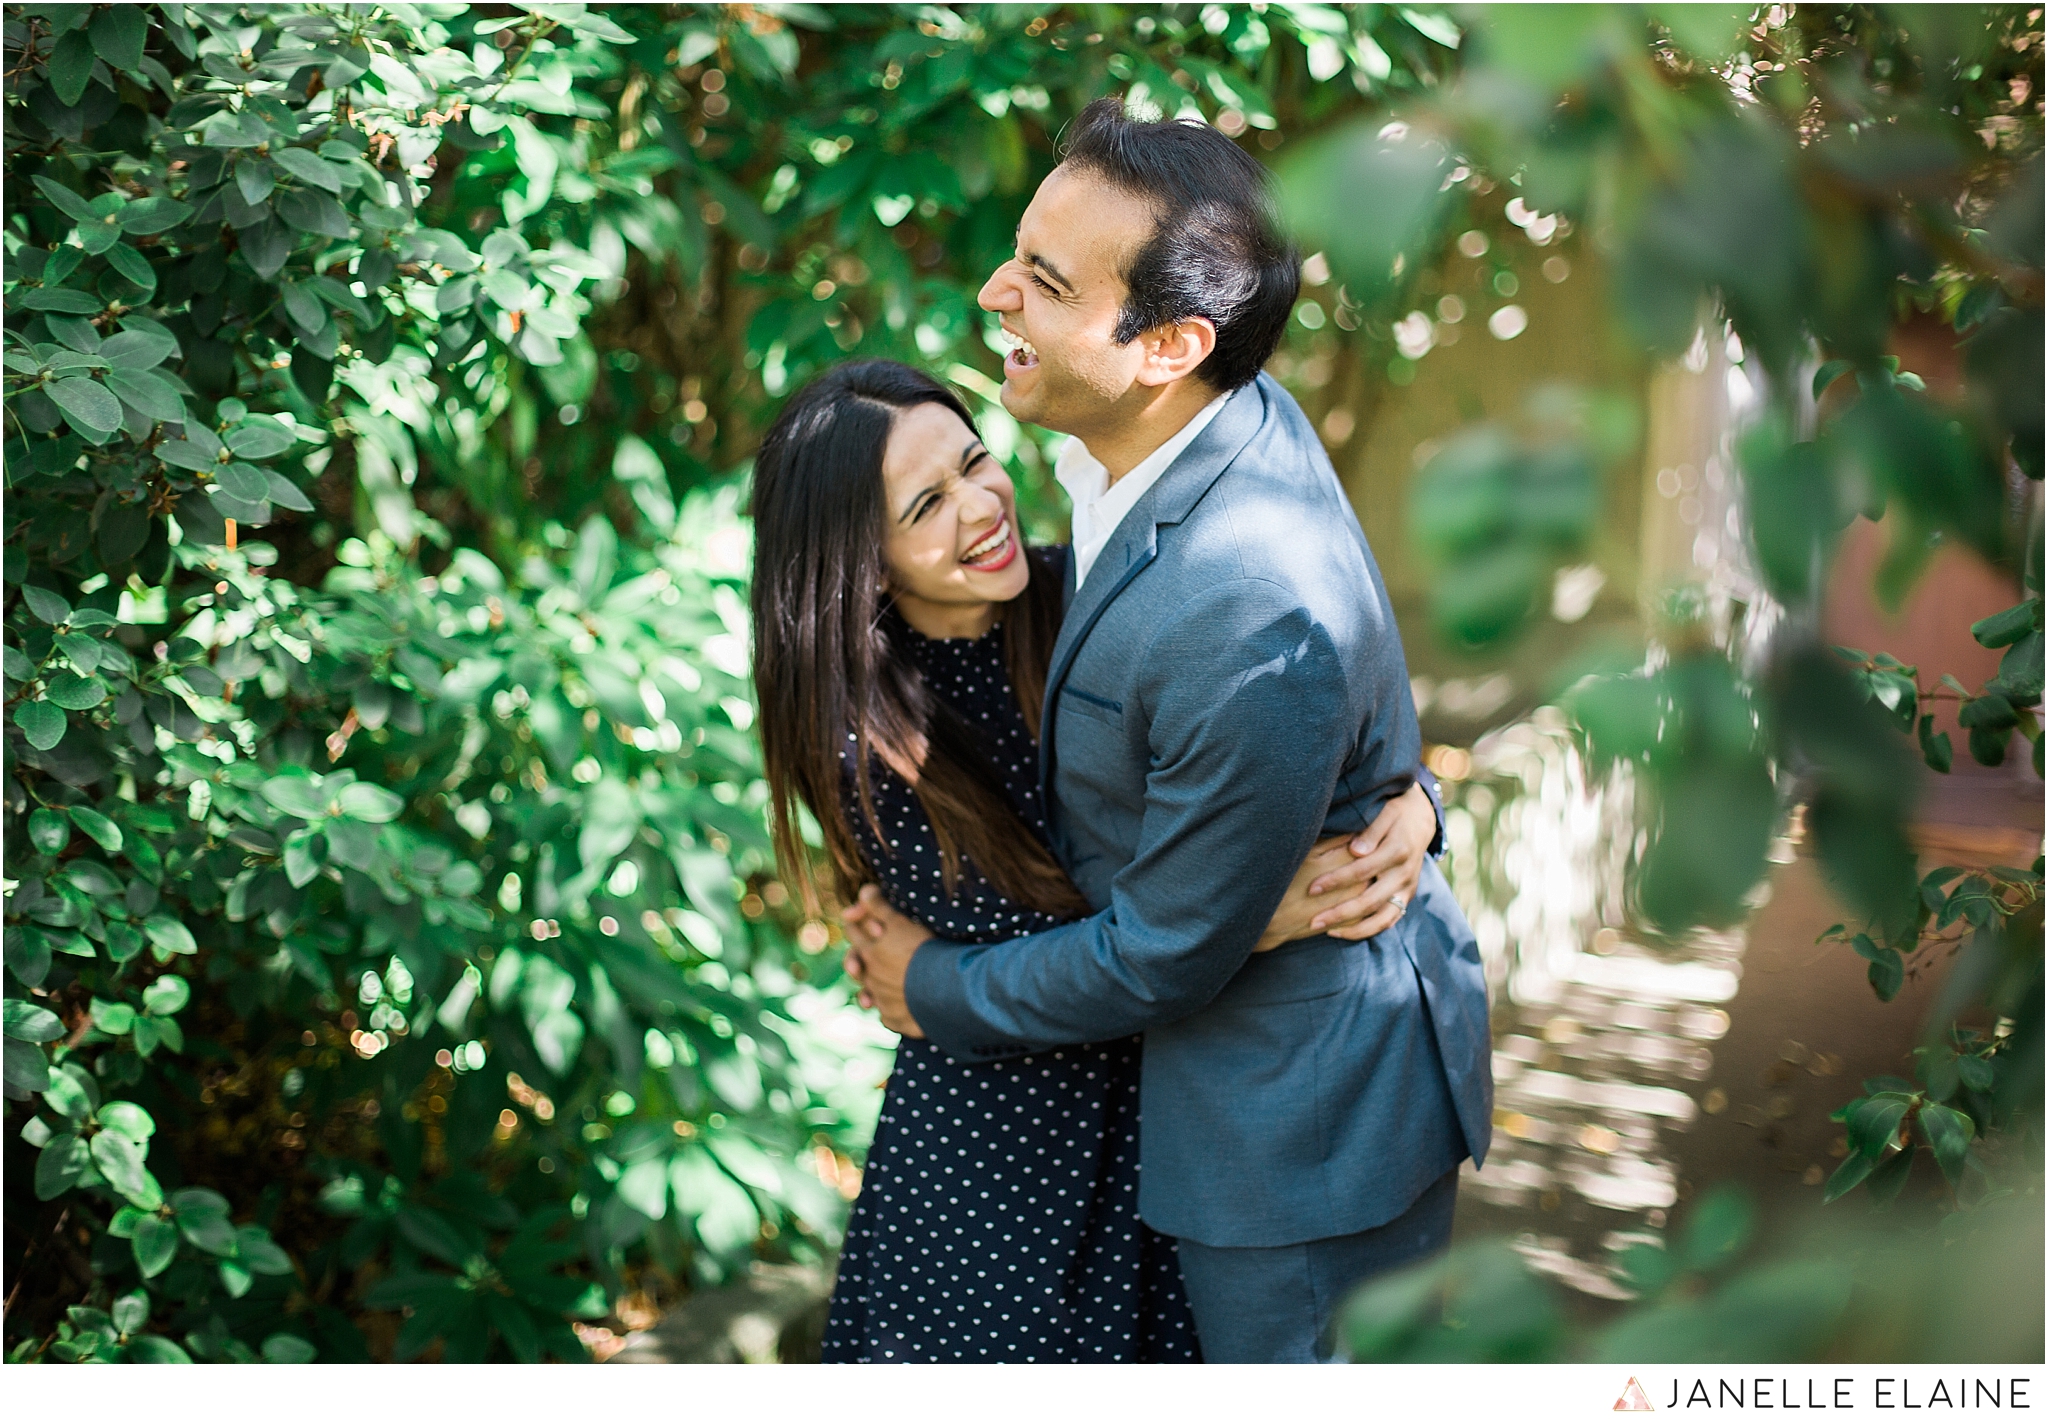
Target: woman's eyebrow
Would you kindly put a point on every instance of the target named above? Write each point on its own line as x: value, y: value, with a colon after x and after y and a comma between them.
x: 967, y: 456
x: 917, y: 499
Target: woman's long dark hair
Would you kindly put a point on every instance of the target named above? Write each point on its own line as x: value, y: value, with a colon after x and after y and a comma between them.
x: 831, y: 673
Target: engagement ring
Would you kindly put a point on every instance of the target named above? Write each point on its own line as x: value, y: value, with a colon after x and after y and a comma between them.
x: 1400, y: 906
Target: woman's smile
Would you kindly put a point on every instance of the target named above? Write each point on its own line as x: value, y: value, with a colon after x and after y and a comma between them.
x: 993, y: 551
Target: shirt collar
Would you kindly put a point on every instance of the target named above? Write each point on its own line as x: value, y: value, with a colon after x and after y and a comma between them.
x: 1099, y: 508
x: 1084, y: 478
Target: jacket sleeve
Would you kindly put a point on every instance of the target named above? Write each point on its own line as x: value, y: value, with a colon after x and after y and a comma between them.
x: 1239, y: 784
x: 1438, y: 844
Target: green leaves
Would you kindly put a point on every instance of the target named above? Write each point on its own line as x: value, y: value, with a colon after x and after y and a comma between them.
x: 1874, y: 1122
x: 26, y: 1021
x: 70, y: 67
x: 66, y: 1162
x: 1371, y: 247
x: 1887, y: 971
x: 75, y: 692
x: 1795, y: 512
x: 259, y: 437
x: 1500, y: 508
x: 295, y: 794
x: 1694, y: 730
x: 87, y: 407
x: 166, y: 995
x: 118, y: 33
x: 41, y: 724
x: 314, y: 212
x: 367, y: 803
x: 2019, y: 674
x: 309, y: 167
x: 1948, y: 1132
x: 202, y: 1218
x: 49, y: 830
x: 155, y: 1244
x: 48, y: 607
x: 97, y: 826
x: 66, y: 201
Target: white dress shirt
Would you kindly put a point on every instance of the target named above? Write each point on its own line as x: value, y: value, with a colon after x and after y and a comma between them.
x: 1101, y: 506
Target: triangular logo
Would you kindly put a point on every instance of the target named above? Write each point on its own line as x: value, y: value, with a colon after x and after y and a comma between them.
x: 1633, y: 1400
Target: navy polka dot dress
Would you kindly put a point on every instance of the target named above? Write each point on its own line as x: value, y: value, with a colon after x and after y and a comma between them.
x: 997, y: 1220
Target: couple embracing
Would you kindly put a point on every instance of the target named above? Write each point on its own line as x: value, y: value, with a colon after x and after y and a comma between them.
x: 1153, y: 797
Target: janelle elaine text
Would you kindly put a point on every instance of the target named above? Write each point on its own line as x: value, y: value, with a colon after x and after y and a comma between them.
x: 1946, y: 1392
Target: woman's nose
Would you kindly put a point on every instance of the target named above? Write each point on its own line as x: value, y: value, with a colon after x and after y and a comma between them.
x: 1000, y: 291
x: 979, y: 506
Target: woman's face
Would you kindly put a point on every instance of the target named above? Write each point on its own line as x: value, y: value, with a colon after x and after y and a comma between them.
x: 952, y: 547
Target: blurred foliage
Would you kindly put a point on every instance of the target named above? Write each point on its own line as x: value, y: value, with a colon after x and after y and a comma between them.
x: 1803, y: 178
x: 1712, y: 1295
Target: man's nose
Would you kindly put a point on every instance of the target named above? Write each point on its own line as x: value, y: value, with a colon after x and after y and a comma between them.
x: 999, y: 293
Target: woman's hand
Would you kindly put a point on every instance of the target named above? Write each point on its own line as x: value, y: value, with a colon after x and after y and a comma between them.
x: 1354, y: 888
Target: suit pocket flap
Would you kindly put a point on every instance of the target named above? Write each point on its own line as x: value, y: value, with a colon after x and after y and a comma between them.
x: 1303, y: 970
x: 1093, y: 706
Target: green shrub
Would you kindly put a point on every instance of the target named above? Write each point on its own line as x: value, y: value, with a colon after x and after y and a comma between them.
x: 399, y: 941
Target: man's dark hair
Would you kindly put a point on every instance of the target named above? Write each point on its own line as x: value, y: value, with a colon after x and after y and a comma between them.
x: 1217, y: 251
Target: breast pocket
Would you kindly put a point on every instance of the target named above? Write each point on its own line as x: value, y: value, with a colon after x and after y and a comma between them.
x: 1091, y: 706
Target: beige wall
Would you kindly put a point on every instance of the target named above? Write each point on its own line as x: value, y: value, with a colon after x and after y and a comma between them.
x: 1567, y: 340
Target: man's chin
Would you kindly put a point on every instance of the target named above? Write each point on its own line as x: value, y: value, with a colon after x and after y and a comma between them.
x: 1023, y: 404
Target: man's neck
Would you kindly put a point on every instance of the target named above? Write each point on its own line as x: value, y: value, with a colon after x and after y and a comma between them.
x: 1141, y: 425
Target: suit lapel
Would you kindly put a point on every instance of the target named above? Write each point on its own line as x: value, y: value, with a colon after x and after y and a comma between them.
x: 1135, y: 544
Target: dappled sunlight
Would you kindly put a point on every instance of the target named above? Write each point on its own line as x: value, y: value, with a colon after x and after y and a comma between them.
x: 1600, y: 1040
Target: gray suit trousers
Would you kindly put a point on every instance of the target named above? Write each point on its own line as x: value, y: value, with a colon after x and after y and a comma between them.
x: 1275, y: 1305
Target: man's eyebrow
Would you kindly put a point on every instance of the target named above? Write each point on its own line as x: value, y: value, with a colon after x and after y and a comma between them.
x: 1032, y: 258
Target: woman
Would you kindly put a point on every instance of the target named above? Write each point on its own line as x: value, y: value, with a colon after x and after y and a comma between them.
x: 902, y: 636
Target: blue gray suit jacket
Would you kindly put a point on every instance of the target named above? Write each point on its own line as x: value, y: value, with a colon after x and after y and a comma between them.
x: 1227, y: 688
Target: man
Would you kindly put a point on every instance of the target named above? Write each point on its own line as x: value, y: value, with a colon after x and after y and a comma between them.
x: 1228, y: 686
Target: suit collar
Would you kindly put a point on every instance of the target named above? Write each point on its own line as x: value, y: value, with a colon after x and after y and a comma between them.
x: 1136, y: 541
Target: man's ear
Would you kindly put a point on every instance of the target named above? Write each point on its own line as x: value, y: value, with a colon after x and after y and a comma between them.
x: 1175, y: 351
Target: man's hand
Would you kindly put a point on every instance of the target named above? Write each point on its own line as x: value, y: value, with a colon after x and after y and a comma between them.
x: 879, y: 944
x: 1386, y: 865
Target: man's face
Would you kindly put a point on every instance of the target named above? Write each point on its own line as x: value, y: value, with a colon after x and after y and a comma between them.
x: 1059, y: 297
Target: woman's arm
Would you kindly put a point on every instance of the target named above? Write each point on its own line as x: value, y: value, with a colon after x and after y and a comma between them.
x: 1346, y: 886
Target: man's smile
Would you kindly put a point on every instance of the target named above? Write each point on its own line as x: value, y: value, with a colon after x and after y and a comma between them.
x: 1023, y: 355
